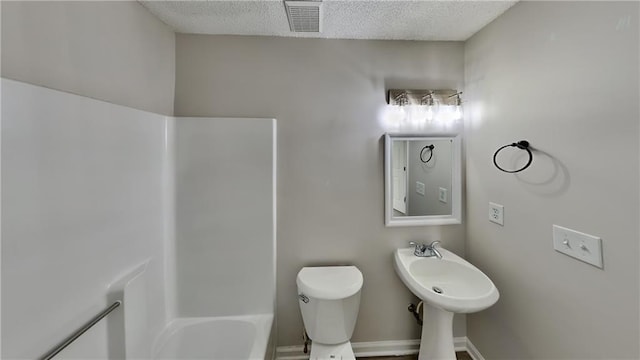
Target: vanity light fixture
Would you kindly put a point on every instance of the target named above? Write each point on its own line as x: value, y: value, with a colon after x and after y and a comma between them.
x: 441, y: 105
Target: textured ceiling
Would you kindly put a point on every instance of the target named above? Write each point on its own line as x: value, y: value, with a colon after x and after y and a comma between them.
x: 341, y: 19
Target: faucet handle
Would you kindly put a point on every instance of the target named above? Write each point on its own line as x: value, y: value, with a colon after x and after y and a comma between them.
x: 433, y: 251
x: 433, y: 244
x: 418, y: 249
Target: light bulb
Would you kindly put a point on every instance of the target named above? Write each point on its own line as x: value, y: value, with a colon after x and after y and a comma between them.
x: 445, y: 114
x: 457, y: 113
x: 429, y: 115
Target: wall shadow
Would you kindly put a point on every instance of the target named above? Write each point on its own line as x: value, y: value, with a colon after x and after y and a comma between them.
x: 546, y: 176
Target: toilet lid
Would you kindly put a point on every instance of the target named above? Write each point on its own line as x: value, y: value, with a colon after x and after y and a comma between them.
x: 329, y: 282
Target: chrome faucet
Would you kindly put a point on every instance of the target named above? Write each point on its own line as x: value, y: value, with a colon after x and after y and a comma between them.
x: 424, y: 250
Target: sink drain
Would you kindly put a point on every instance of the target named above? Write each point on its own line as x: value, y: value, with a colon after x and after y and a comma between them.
x: 437, y: 289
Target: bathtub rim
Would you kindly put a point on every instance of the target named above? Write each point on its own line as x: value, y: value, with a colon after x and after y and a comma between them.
x: 262, y: 322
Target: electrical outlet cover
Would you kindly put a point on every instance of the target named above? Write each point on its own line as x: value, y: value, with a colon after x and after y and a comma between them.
x: 443, y: 195
x: 496, y: 213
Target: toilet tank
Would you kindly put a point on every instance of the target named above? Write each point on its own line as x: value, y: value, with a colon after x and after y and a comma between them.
x: 329, y: 299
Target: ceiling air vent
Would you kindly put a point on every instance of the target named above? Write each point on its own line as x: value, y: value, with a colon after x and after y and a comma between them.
x: 304, y: 16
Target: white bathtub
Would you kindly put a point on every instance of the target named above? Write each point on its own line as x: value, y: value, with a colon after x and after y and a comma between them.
x: 217, y: 338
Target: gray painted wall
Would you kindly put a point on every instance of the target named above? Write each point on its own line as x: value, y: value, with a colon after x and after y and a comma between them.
x: 329, y: 99
x: 563, y: 75
x: 114, y: 51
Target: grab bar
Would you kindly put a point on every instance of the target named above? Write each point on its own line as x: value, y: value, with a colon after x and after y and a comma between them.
x: 81, y: 331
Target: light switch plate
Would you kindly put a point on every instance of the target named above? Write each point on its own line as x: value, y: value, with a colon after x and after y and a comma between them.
x: 420, y: 188
x: 442, y: 195
x: 584, y: 247
x: 496, y: 213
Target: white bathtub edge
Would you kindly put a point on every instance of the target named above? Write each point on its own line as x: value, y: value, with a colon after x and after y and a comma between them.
x: 261, y: 347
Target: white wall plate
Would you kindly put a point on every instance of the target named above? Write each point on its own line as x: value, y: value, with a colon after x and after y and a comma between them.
x: 584, y: 247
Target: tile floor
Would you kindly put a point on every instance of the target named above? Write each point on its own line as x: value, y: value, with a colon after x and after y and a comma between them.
x: 461, y: 355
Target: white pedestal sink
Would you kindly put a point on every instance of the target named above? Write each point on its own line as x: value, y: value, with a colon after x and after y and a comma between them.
x: 446, y: 286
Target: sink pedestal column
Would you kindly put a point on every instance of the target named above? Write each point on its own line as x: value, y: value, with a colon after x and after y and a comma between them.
x: 436, y: 342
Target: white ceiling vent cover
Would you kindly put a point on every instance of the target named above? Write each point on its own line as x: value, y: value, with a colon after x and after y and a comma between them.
x: 304, y: 16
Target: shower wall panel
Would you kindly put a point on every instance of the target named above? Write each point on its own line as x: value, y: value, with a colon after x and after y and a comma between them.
x: 83, y: 184
x: 225, y: 217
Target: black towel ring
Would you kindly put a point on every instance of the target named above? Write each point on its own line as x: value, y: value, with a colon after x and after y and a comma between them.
x: 522, y: 145
x: 430, y: 147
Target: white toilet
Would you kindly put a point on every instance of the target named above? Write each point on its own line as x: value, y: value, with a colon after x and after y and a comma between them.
x: 329, y: 298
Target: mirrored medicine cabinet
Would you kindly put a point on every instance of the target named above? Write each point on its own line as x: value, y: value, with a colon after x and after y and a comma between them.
x: 422, y: 180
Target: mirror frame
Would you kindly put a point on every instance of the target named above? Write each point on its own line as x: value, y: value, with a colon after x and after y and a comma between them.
x: 456, y: 183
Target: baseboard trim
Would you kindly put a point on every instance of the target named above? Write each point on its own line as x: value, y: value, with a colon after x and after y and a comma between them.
x: 472, y: 350
x: 381, y: 348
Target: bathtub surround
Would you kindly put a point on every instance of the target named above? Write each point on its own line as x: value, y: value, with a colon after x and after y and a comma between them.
x: 132, y: 64
x: 82, y: 204
x: 329, y: 99
x: 85, y: 206
x: 82, y: 180
x: 225, y: 234
x: 114, y: 51
x: 169, y: 203
x: 563, y: 75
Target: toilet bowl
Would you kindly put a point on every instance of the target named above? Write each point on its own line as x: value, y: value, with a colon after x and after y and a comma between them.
x: 329, y: 299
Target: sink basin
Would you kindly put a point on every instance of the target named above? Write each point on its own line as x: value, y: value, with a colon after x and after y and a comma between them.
x: 446, y: 286
x: 450, y: 283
